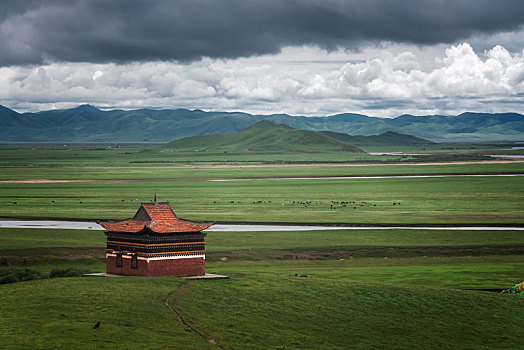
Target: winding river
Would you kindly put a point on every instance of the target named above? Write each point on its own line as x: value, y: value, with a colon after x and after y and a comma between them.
x: 85, y: 225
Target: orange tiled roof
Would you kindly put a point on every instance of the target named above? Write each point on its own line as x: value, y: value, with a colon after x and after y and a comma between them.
x: 158, y: 217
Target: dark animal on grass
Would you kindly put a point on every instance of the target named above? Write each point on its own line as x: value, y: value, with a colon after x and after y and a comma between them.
x: 97, y: 325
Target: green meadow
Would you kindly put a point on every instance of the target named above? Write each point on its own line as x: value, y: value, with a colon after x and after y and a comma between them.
x: 111, y: 193
x: 451, y: 258
x: 144, y: 172
x: 18, y: 242
x: 53, y: 155
x: 311, y: 289
x: 336, y: 289
x: 61, y: 313
x: 152, y: 154
x: 260, y: 312
x: 435, y: 200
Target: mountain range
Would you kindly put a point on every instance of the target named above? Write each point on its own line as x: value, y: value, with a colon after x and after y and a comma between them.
x: 90, y: 124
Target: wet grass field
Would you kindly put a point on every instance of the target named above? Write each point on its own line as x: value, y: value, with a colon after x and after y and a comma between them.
x: 311, y: 289
x: 438, y: 200
x: 319, y: 289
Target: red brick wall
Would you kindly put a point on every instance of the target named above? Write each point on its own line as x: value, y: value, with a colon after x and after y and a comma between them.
x: 177, y: 267
x: 172, y: 267
x: 126, y: 269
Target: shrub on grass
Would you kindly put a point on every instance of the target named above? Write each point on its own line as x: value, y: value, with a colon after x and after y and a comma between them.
x: 56, y: 273
x: 10, y: 278
x: 19, y: 275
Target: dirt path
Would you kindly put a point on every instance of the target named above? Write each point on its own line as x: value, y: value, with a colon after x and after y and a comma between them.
x: 226, y: 166
x: 363, y: 252
x: 186, y: 319
x: 414, y: 175
x: 220, y: 166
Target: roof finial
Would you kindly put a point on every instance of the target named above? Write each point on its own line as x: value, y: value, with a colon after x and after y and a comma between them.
x: 155, y: 198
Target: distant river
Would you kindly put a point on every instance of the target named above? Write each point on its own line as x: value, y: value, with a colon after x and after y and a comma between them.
x: 396, y: 154
x: 83, y: 225
x: 350, y: 177
x: 509, y: 156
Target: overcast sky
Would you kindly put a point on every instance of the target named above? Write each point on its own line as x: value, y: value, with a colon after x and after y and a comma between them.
x: 317, y: 57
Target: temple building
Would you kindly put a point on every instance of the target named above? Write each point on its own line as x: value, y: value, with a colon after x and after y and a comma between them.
x: 155, y: 243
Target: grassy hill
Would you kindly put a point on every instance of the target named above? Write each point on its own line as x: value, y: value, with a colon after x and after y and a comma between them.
x: 253, y: 311
x: 389, y: 138
x: 264, y: 136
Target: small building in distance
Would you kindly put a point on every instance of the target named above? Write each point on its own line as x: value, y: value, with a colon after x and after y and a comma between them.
x: 155, y: 243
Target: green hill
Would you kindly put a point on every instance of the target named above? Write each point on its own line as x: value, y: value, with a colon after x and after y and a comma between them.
x: 254, y: 311
x: 264, y: 136
x: 389, y: 138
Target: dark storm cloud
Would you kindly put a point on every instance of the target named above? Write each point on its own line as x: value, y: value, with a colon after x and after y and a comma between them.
x: 133, y: 30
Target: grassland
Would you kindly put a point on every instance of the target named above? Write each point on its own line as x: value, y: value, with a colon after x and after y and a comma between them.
x: 451, y: 258
x: 367, y: 299
x: 60, y: 314
x: 364, y: 288
x: 17, y: 242
x: 422, y: 200
x: 157, y: 173
x: 151, y: 154
x: 335, y: 314
x: 125, y: 155
x: 254, y: 312
x: 434, y: 200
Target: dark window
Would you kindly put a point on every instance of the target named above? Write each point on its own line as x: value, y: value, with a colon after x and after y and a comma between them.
x: 118, y: 259
x: 134, y: 262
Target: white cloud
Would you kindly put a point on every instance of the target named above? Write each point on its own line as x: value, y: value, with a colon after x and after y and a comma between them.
x: 392, y: 80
